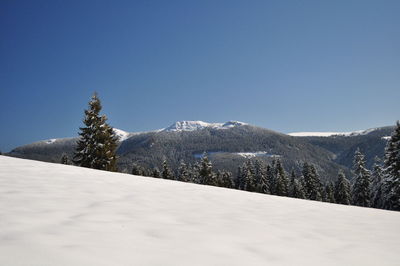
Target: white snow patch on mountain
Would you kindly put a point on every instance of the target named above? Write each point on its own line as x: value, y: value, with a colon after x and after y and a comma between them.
x: 196, y: 125
x: 122, y: 135
x: 50, y: 141
x: 328, y: 134
x: 53, y: 214
x: 256, y: 154
x: 386, y: 137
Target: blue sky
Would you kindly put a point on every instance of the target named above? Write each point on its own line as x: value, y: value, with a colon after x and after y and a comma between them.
x: 284, y: 65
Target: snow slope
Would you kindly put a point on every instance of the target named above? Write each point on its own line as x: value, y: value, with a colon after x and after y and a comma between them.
x: 53, y: 214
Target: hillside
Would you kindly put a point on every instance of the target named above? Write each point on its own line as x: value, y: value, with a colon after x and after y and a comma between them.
x: 54, y: 214
x: 228, y: 146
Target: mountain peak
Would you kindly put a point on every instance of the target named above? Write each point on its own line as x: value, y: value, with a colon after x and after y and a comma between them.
x: 196, y: 125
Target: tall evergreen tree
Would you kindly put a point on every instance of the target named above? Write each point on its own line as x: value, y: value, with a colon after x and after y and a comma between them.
x: 361, y: 193
x: 261, y: 181
x: 282, y: 183
x: 312, y: 183
x: 377, y: 184
x: 183, y: 172
x: 224, y: 179
x: 248, y: 175
x: 392, y: 171
x: 270, y: 178
x: 65, y: 159
x: 298, y: 189
x: 206, y: 174
x: 166, y: 171
x: 342, y: 189
x: 137, y: 170
x: 97, y: 143
x: 156, y: 173
x: 329, y: 195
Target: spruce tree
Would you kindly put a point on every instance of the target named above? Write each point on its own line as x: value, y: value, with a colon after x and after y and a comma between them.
x: 342, y: 189
x: 292, y: 184
x: 361, y: 193
x: 137, y: 170
x: 206, y: 174
x: 281, y: 183
x: 298, y: 189
x: 329, y: 193
x: 183, y: 172
x: 312, y: 183
x: 166, y: 171
x: 270, y: 178
x: 248, y: 175
x: 65, y: 159
x: 156, y: 173
x: 392, y: 171
x: 224, y: 179
x: 261, y: 181
x: 97, y: 143
x: 377, y: 184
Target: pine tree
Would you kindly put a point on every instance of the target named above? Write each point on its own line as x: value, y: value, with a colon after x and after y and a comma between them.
x: 342, y: 189
x: 361, y: 193
x: 248, y: 174
x: 137, y: 170
x: 224, y: 179
x: 292, y: 184
x: 156, y: 173
x: 298, y: 189
x: 183, y: 172
x: 262, y: 185
x: 166, y: 172
x: 392, y: 171
x: 65, y: 159
x: 312, y: 183
x: 376, y: 187
x: 206, y: 174
x: 270, y: 177
x: 329, y: 195
x: 239, y: 181
x: 282, y: 183
x: 97, y: 143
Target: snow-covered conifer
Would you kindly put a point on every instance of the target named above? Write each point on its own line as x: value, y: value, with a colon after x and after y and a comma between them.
x: 361, y: 193
x: 377, y: 184
x: 166, y: 171
x: 97, y: 143
x: 342, y: 189
x: 391, y: 186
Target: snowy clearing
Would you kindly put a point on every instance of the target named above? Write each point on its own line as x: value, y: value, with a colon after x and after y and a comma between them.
x: 55, y: 214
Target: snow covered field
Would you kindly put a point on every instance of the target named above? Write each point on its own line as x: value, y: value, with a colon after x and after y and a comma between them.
x: 53, y: 214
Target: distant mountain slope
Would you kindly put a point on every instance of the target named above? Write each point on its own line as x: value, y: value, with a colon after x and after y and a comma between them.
x: 55, y: 214
x: 228, y: 145
x: 371, y: 142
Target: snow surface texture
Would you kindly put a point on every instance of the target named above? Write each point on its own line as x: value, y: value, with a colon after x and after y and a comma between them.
x: 196, y: 125
x: 54, y: 214
x: 328, y: 134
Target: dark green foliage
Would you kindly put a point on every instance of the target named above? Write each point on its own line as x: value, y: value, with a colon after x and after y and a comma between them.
x: 138, y: 170
x: 329, y: 193
x: 361, y: 193
x: 183, y: 173
x: 166, y: 171
x: 312, y: 183
x: 97, y: 143
x: 281, y: 183
x: 342, y: 189
x: 224, y: 179
x: 65, y: 159
x: 206, y: 174
x: 391, y: 186
x: 261, y: 180
x: 156, y: 173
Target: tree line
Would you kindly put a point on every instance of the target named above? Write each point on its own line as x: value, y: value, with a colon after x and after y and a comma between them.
x: 377, y: 188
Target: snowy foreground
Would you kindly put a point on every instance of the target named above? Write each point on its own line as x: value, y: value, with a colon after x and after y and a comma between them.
x: 53, y: 214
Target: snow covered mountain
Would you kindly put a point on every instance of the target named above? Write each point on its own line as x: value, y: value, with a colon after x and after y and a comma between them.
x: 198, y: 125
x: 54, y: 214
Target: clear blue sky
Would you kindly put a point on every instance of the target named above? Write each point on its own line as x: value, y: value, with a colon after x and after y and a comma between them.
x: 284, y: 65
